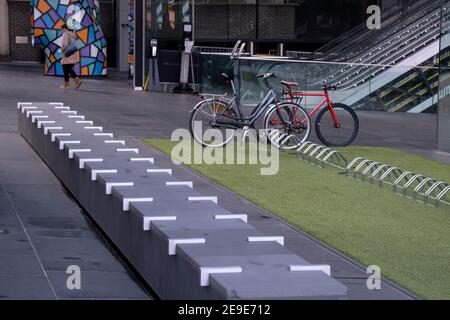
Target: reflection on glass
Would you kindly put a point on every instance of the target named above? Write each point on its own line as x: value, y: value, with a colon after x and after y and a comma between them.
x: 444, y: 81
x: 164, y: 18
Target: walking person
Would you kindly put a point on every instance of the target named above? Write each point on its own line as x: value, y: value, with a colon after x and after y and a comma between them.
x: 70, y: 57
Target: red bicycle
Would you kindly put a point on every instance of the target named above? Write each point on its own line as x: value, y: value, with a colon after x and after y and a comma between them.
x: 336, y: 125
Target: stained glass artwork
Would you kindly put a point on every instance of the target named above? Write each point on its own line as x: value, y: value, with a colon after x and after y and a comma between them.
x: 82, y: 16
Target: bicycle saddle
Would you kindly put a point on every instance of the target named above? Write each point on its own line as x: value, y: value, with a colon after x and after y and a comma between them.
x: 227, y: 77
x: 328, y: 87
x: 289, y: 83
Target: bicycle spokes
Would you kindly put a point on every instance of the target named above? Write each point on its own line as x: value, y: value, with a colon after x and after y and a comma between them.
x: 204, y: 124
x: 338, y: 128
x: 287, y: 125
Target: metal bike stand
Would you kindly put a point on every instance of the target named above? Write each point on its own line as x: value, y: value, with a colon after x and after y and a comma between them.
x: 354, y: 167
x: 438, y: 186
x: 389, y: 176
x: 320, y: 155
x: 405, y: 176
x: 418, y: 189
x: 441, y: 195
x: 405, y: 183
x: 334, y: 158
x: 376, y: 174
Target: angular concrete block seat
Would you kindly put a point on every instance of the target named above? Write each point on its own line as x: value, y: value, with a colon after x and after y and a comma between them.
x: 182, y: 241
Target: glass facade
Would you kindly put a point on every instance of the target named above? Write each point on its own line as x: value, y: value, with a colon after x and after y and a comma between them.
x: 164, y: 19
x: 444, y: 81
x: 314, y: 21
x: 393, y: 89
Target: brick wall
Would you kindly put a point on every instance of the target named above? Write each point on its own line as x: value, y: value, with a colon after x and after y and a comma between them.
x: 19, y: 26
x: 242, y: 22
x: 271, y: 26
x: 211, y: 22
x: 229, y: 22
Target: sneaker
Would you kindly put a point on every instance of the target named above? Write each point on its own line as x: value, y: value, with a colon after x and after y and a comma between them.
x: 78, y: 82
x: 65, y: 86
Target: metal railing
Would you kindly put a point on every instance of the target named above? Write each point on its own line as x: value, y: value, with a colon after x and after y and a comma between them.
x: 406, y: 183
x: 205, y: 49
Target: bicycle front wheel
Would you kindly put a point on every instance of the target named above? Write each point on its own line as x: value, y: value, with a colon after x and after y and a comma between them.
x: 204, y: 126
x: 287, y: 125
x: 341, y: 134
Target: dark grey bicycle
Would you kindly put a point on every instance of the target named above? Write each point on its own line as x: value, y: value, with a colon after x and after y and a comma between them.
x: 286, y: 124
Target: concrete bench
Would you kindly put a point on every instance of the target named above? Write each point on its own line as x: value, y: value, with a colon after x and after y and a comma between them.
x: 183, y: 243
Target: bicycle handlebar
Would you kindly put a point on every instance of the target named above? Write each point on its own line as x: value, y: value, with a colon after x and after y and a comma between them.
x: 266, y: 75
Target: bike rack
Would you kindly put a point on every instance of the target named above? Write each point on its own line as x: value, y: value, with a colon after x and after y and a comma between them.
x: 320, y: 155
x: 405, y: 183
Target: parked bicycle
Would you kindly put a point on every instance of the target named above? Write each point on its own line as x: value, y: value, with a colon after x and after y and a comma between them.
x: 336, y: 125
x: 286, y: 124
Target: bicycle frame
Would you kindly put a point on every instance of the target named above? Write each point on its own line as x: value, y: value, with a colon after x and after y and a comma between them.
x: 297, y: 94
x: 269, y: 98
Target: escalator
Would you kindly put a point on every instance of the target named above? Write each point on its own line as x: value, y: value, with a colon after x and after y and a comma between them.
x: 377, y: 68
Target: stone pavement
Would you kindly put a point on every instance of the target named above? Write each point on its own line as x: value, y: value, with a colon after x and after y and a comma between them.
x: 43, y: 231
x: 113, y: 104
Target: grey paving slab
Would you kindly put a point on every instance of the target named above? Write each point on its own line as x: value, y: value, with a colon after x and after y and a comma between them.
x: 61, y: 206
x: 15, y: 243
x: 98, y: 285
x: 26, y: 287
x: 38, y: 216
x: 19, y: 265
x: 22, y: 189
x: 30, y: 172
x: 85, y: 265
x: 76, y: 233
x: 5, y: 208
x: 59, y: 223
x: 72, y: 248
x: 9, y: 223
x: 359, y: 291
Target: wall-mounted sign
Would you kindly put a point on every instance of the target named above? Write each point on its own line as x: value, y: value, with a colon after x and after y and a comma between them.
x: 21, y: 40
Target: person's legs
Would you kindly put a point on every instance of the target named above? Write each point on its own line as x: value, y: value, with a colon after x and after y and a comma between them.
x: 72, y: 72
x: 66, y: 70
x: 74, y: 75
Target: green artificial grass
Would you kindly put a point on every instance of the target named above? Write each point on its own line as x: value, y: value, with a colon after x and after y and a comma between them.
x: 409, y: 241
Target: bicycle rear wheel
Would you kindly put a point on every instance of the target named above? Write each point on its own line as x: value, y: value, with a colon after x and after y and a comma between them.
x: 287, y: 125
x: 202, y: 123
x: 343, y: 134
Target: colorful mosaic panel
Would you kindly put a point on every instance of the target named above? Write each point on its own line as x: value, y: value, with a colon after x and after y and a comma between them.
x: 130, y: 34
x: 82, y: 16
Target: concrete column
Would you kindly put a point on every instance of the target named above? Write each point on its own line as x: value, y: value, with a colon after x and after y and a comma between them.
x: 139, y: 44
x: 122, y: 34
x: 4, y: 28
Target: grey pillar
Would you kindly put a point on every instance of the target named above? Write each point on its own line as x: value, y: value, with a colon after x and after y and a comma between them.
x: 122, y: 34
x: 444, y: 124
x: 139, y: 44
x: 4, y: 29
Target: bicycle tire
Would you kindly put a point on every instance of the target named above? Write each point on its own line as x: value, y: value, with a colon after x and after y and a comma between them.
x: 321, y: 119
x: 285, y: 106
x: 192, y: 118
